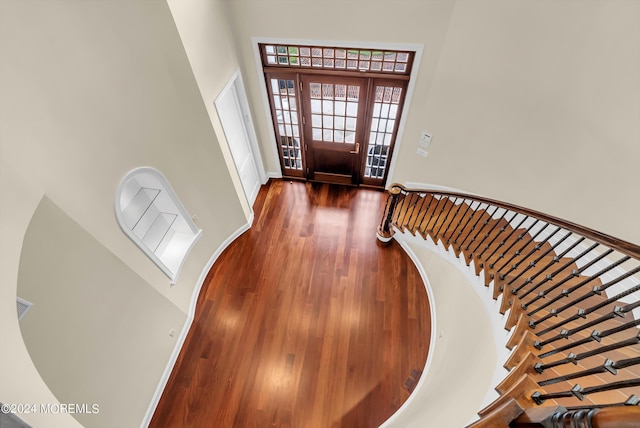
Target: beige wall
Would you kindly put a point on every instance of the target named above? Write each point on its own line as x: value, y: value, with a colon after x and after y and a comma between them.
x: 97, y: 331
x: 91, y: 90
x: 538, y: 103
x: 533, y: 102
x: 208, y: 42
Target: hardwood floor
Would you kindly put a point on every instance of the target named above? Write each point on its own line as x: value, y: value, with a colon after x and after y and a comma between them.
x: 304, y: 321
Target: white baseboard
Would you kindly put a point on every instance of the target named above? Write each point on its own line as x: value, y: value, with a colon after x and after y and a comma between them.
x: 187, y: 325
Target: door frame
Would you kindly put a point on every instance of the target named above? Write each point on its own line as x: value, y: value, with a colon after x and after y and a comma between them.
x: 270, y: 144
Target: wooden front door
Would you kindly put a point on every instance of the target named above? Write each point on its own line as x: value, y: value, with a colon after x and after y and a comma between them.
x: 335, y: 111
x: 334, y: 127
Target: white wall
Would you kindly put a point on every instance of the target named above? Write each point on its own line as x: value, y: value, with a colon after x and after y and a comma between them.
x: 91, y: 90
x: 533, y: 102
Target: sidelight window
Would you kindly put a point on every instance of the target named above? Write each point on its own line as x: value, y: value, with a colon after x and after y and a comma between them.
x: 285, y: 106
x: 384, y: 120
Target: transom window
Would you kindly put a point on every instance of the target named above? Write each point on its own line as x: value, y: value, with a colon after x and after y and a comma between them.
x: 351, y: 59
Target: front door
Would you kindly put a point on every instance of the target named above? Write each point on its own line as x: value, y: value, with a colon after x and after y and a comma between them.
x: 334, y: 127
x: 336, y: 111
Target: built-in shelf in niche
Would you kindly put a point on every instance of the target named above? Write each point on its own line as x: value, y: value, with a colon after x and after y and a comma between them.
x: 150, y: 213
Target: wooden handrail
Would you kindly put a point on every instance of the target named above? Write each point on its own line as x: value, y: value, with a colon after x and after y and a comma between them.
x: 620, y: 245
x: 616, y: 417
x: 556, y: 283
x: 606, y: 417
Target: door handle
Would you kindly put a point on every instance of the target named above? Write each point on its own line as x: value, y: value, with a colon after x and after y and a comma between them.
x: 357, y: 150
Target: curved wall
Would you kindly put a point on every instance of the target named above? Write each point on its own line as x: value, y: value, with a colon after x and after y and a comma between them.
x: 467, y: 343
x: 96, y: 326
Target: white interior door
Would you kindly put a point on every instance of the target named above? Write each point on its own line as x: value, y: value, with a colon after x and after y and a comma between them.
x: 231, y: 115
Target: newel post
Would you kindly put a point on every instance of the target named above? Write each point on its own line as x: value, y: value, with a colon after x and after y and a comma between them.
x: 385, y: 230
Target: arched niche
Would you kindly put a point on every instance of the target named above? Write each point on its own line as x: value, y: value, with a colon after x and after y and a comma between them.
x: 151, y: 215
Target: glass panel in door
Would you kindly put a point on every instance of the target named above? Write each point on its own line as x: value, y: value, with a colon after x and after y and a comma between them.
x: 334, y: 127
x: 387, y: 102
x: 285, y: 111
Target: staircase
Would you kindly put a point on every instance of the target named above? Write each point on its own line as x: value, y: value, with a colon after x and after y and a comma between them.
x: 569, y: 296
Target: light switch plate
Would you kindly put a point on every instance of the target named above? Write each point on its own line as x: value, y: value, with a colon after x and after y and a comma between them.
x: 425, y: 139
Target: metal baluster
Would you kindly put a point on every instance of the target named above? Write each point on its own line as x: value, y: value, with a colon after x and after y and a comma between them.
x: 574, y: 273
x: 633, y: 400
x: 473, y: 214
x: 567, y: 292
x: 550, y: 276
x: 411, y: 224
x: 484, y: 224
x: 468, y: 207
x: 518, y: 239
x: 409, y: 201
x: 608, y: 366
x: 579, y: 392
x: 617, y: 311
x: 595, y: 335
x: 504, y: 241
x: 583, y: 313
x: 433, y: 215
x: 447, y: 217
x: 530, y: 253
x: 535, y: 262
x: 473, y: 227
x: 486, y: 235
x: 594, y: 291
x: 527, y: 242
x: 424, y: 213
x: 502, y: 229
x: 399, y: 212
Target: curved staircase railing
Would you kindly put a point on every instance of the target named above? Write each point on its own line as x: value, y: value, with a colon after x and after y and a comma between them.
x: 570, y: 293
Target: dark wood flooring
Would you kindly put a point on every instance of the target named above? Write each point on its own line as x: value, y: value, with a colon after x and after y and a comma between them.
x: 304, y: 320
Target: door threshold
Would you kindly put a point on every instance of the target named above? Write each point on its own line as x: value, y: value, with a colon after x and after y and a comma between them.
x: 328, y: 177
